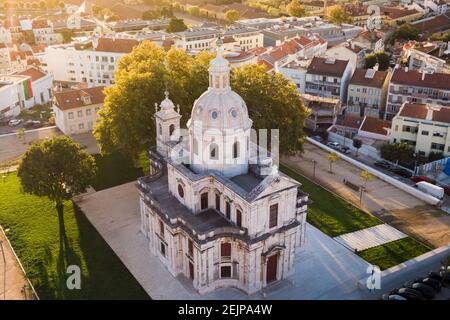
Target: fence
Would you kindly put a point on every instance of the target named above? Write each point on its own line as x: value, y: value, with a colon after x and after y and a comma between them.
x: 432, y: 167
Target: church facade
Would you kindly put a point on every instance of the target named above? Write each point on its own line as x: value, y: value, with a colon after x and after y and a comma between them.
x: 214, y: 209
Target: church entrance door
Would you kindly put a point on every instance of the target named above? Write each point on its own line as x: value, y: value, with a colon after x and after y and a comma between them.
x: 272, y: 263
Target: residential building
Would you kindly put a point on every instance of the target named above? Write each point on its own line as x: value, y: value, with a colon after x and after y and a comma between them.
x: 196, y: 39
x: 41, y: 85
x: 371, y: 41
x: 424, y: 55
x: 138, y: 24
x: 422, y: 87
x: 348, y: 51
x: 77, y: 110
x: 433, y: 24
x: 246, y: 38
x: 367, y: 92
x: 437, y: 6
x: 328, y: 78
x: 423, y: 126
x: 44, y: 34
x: 395, y: 16
x: 93, y: 61
x: 215, y: 213
x: 323, y: 112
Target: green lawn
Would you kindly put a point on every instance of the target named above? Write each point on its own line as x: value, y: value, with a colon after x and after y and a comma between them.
x: 329, y: 213
x: 393, y: 253
x: 113, y: 170
x: 46, y: 246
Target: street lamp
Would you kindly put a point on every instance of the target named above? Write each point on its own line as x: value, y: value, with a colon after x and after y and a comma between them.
x: 314, y: 167
x: 362, y: 189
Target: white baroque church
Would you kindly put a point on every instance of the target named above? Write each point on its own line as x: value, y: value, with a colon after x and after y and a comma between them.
x: 216, y: 211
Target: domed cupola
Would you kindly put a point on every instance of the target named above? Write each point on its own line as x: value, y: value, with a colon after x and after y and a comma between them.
x: 219, y: 126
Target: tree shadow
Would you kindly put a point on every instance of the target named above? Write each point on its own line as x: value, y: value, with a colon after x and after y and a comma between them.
x: 67, y: 256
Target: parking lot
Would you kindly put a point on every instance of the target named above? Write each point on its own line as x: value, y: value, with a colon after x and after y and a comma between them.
x: 391, y: 204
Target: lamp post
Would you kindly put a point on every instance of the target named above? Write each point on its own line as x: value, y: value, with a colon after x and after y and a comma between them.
x: 314, y: 167
x: 362, y: 189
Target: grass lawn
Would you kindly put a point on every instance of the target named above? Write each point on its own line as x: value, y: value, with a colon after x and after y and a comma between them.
x: 329, y: 213
x: 46, y: 246
x: 113, y: 170
x: 393, y: 253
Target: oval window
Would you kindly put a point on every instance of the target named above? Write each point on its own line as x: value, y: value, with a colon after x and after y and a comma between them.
x: 214, y: 114
x: 180, y: 191
x: 234, y: 113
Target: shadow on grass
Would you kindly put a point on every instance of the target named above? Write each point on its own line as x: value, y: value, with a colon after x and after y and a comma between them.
x: 106, y: 276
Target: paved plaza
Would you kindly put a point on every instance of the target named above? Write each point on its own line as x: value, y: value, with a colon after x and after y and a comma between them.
x: 370, y: 237
x: 324, y: 269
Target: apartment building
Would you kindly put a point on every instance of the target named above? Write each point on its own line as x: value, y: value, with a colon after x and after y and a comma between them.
x: 41, y: 86
x: 422, y: 87
x: 328, y: 78
x: 423, y: 126
x: 323, y: 112
x: 425, y: 55
x: 367, y: 92
x: 246, y: 38
x: 44, y: 33
x: 93, y: 61
x: 77, y: 110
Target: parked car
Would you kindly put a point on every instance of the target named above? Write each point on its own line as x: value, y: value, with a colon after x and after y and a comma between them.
x: 392, y: 297
x: 14, y: 122
x: 344, y: 149
x: 317, y: 138
x: 435, y: 284
x: 401, y: 172
x: 420, y: 179
x: 427, y: 291
x: 409, y: 294
x: 333, y: 145
x: 383, y: 164
x: 32, y: 124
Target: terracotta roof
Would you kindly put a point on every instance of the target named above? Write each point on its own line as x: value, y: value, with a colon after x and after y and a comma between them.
x: 329, y: 67
x: 72, y: 99
x: 397, y: 12
x: 377, y: 81
x: 40, y: 24
x: 375, y: 125
x: 258, y: 51
x: 442, y: 115
x: 414, y: 78
x: 414, y: 110
x: 33, y: 73
x: 38, y: 48
x: 266, y: 64
x: 116, y: 45
x: 18, y: 55
x: 441, y: 22
x: 11, y: 23
x: 350, y: 121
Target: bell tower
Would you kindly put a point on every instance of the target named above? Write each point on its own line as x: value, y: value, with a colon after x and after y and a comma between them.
x: 167, y: 124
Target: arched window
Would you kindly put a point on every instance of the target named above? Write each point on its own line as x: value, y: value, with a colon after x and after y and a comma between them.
x: 236, y: 149
x: 204, y: 201
x: 171, y: 129
x: 214, y: 151
x: 180, y: 191
x: 195, y: 146
x: 160, y: 129
x: 239, y: 218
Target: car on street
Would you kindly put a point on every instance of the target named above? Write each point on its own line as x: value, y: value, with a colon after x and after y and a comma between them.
x: 14, y: 122
x: 435, y: 284
x: 410, y: 294
x: 383, y: 164
x: 401, y: 172
x: 32, y: 124
x: 344, y: 150
x: 317, y: 138
x: 427, y: 291
x: 334, y: 145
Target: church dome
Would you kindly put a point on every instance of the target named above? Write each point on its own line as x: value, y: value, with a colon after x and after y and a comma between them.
x: 220, y: 107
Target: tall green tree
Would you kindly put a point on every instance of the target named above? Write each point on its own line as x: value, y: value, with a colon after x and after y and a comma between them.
x: 402, y: 152
x: 405, y: 32
x: 231, y: 16
x: 57, y: 168
x: 338, y: 15
x: 296, y: 9
x: 176, y: 25
x: 381, y: 58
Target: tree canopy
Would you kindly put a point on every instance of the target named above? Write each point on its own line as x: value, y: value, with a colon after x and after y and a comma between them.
x: 232, y: 16
x: 126, y: 121
x: 176, y: 25
x: 58, y: 169
x: 400, y: 151
x: 405, y: 32
x: 296, y: 9
x: 338, y: 15
x: 382, y: 58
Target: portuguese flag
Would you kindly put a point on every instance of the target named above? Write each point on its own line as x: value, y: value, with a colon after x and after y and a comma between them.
x: 27, y: 89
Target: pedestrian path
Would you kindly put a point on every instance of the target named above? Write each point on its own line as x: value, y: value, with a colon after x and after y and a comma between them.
x: 370, y: 237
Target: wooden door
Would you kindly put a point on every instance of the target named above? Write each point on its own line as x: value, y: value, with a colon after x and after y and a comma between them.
x: 191, y: 270
x: 272, y: 264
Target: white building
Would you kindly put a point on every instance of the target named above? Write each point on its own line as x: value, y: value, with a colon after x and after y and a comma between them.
x: 23, y: 90
x: 425, y: 127
x: 210, y: 211
x: 437, y: 6
x: 41, y: 84
x: 77, y: 110
x: 92, y: 61
x: 44, y: 34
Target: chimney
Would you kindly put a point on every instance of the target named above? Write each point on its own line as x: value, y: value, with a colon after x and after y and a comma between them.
x: 423, y: 74
x: 376, y: 66
x: 429, y: 113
